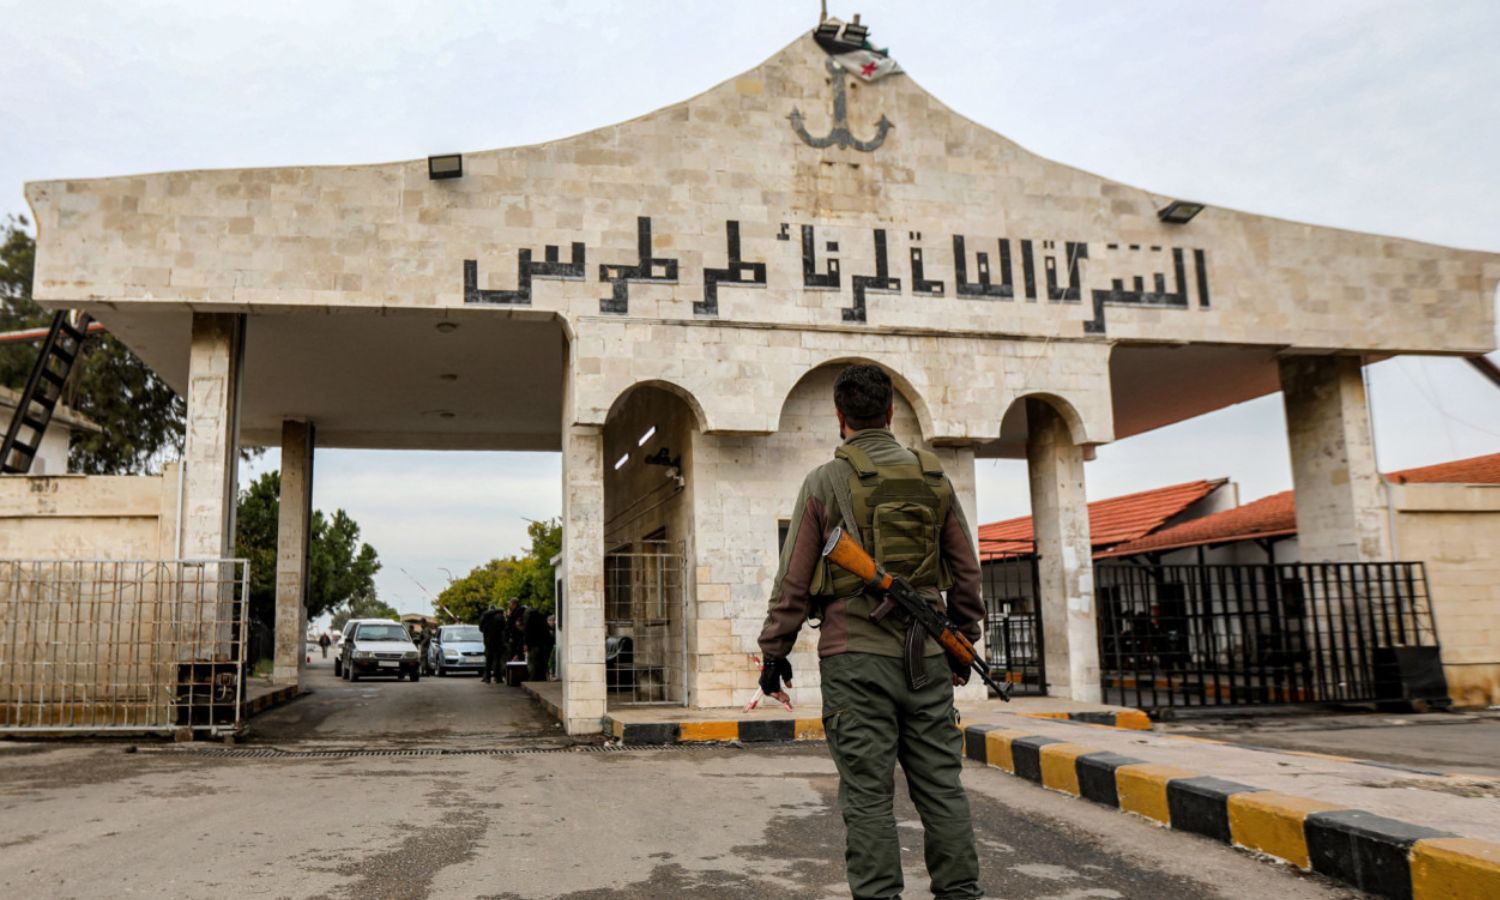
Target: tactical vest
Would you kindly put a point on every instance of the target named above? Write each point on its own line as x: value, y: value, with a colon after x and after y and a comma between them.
x: 898, y: 513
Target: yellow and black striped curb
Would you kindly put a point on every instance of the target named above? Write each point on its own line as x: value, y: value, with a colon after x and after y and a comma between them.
x: 745, y: 731
x: 1383, y: 856
x: 272, y: 699
x: 1127, y: 719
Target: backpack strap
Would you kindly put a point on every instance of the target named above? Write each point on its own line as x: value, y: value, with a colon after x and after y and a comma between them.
x: 928, y: 461
x: 858, y: 459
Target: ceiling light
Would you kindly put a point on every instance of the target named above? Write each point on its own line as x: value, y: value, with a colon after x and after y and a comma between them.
x: 448, y: 165
x: 1179, y: 212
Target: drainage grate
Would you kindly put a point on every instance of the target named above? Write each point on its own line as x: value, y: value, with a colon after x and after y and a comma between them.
x: 350, y: 753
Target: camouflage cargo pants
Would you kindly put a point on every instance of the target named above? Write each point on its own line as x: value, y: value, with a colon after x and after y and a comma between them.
x: 873, y: 720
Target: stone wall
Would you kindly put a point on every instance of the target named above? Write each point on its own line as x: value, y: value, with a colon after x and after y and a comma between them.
x: 1455, y: 530
x: 667, y: 216
x: 90, y: 516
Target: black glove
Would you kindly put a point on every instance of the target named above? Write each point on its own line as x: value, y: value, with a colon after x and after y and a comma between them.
x: 774, y: 670
x: 960, y: 670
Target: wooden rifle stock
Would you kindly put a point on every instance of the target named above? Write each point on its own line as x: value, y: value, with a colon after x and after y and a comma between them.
x: 846, y: 553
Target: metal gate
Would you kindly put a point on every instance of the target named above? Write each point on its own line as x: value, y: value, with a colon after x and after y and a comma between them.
x: 1234, y: 635
x: 1013, y: 630
x: 645, y: 634
x: 92, y: 646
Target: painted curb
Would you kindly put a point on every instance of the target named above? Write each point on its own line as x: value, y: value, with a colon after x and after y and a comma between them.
x: 273, y: 699
x: 1125, y: 719
x: 746, y: 731
x: 1382, y: 856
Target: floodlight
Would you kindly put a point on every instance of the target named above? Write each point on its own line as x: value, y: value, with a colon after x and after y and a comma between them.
x: 448, y: 165
x: 1179, y: 212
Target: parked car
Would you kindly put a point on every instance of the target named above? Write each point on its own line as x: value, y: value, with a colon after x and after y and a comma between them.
x: 379, y: 648
x: 338, y: 642
x: 456, y: 648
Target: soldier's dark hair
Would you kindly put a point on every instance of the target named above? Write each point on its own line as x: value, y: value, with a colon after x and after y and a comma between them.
x: 863, y: 393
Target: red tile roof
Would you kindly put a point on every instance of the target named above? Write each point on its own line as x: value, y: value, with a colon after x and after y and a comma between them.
x: 1111, y: 521
x: 1474, y: 470
x: 1276, y: 515
x: 1273, y: 516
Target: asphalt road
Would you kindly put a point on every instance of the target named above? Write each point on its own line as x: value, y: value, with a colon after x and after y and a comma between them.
x: 525, y: 814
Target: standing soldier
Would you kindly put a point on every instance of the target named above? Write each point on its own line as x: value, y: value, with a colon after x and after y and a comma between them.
x: 492, y: 627
x: 878, y: 710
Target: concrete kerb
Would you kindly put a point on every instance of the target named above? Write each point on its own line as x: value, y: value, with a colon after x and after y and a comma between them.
x: 1373, y: 853
x: 271, y: 699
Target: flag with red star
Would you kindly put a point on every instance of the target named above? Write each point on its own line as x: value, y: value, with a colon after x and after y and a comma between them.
x: 867, y: 65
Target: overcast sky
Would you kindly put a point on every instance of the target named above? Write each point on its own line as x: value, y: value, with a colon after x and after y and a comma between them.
x: 1376, y: 116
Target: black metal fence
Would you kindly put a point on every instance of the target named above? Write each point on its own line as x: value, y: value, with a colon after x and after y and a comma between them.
x: 1013, y: 632
x: 1229, y: 635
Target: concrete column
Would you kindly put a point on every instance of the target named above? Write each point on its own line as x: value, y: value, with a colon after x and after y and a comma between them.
x: 293, y: 537
x: 581, y: 643
x: 212, y: 449
x: 1341, y: 510
x: 1065, y: 570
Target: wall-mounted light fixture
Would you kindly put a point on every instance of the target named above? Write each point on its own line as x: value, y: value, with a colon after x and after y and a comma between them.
x: 1179, y: 212
x: 620, y: 463
x: 646, y: 437
x: 448, y: 165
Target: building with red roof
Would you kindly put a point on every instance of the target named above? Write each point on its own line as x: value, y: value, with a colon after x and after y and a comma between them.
x: 1116, y: 520
x: 1446, y: 516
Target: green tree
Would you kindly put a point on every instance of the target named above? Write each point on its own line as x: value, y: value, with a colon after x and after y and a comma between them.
x: 466, y: 598
x: 341, y: 568
x: 141, y: 417
x: 529, y: 577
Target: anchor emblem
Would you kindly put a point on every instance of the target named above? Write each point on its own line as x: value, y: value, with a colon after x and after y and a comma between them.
x: 840, y: 135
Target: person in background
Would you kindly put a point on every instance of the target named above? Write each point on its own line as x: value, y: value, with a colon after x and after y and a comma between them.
x: 323, y: 641
x: 515, y: 629
x: 539, y: 641
x: 552, y: 656
x: 492, y: 624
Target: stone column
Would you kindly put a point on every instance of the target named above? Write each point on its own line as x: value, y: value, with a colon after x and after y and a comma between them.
x: 1341, y: 510
x: 212, y: 447
x: 1065, y: 569
x: 293, y: 536
x: 581, y: 643
x: 211, y: 456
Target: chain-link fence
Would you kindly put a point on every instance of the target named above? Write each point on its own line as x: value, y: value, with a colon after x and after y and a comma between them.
x: 111, y: 645
x: 646, y: 639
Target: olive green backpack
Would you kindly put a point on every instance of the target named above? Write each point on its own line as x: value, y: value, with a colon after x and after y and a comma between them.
x: 896, y: 512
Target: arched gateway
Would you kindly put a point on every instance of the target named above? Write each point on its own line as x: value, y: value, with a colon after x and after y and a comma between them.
x: 694, y: 271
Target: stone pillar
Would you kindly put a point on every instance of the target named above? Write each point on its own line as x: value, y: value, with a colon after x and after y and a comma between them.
x: 293, y: 535
x: 212, y: 447
x: 581, y: 644
x: 1065, y: 568
x: 1341, y: 509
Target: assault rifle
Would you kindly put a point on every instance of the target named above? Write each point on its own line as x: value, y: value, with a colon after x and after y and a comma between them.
x: 846, y: 553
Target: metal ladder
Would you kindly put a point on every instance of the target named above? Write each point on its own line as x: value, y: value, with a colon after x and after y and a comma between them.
x: 60, y: 350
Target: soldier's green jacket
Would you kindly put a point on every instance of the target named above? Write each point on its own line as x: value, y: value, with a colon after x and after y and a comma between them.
x: 845, y: 627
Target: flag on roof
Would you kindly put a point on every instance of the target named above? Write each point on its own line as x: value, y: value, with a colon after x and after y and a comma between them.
x: 867, y: 65
x: 848, y: 43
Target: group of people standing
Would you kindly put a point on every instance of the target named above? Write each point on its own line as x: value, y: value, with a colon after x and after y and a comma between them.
x: 517, y: 633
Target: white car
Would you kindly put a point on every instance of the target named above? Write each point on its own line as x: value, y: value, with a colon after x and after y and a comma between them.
x: 338, y: 643
x: 378, y: 647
